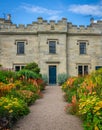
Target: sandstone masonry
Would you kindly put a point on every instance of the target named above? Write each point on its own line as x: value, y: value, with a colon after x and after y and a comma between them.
x: 58, y: 47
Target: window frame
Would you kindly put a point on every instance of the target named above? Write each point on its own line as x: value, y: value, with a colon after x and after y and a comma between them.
x: 21, y: 66
x: 85, y: 69
x: 54, y: 50
x: 98, y: 67
x: 17, y: 42
x: 52, y: 47
x: 82, y: 50
x: 20, y: 48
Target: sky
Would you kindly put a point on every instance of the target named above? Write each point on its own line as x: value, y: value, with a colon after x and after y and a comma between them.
x: 79, y: 12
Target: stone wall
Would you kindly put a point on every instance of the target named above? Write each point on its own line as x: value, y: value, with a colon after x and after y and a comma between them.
x: 37, y: 35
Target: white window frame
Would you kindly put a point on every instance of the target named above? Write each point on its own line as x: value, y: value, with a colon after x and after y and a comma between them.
x: 19, y: 65
x: 83, y: 65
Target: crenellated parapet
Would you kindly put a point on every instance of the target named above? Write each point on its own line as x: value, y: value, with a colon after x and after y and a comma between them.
x: 37, y: 26
x: 95, y: 28
x: 52, y: 26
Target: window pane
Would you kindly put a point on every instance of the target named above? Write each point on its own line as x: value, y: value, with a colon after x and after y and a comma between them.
x: 85, y: 70
x: 17, y: 68
x: 22, y: 67
x: 82, y: 48
x: 80, y: 70
x: 20, y: 48
x: 98, y: 67
x: 52, y: 46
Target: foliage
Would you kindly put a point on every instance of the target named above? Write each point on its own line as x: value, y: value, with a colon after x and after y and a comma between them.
x: 41, y: 84
x: 7, y: 76
x: 32, y: 67
x: 12, y: 108
x: 45, y: 78
x: 90, y: 109
x: 28, y: 96
x: 26, y: 74
x: 86, y: 92
x: 17, y: 91
x: 2, y: 77
x: 62, y: 78
x: 5, y: 88
x: 73, y: 106
x: 70, y: 87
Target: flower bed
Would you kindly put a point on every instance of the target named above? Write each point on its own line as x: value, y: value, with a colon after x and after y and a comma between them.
x: 16, y: 94
x: 84, y: 95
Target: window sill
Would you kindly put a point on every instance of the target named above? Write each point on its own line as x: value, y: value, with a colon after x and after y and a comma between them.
x: 20, y: 54
x: 52, y: 53
x: 83, y: 54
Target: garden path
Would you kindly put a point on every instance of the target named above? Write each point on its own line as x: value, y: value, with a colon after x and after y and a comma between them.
x: 48, y: 114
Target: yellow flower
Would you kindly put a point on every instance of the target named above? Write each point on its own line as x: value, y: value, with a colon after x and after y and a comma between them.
x: 10, y: 111
x: 97, y: 113
x: 96, y: 128
x: 96, y: 108
x: 99, y: 104
x: 7, y: 107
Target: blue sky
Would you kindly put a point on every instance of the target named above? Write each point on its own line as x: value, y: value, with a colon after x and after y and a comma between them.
x: 78, y: 12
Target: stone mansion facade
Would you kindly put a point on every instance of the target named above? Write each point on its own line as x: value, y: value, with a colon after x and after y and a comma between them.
x: 58, y: 47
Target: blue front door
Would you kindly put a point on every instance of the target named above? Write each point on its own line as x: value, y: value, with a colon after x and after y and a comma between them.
x: 52, y: 74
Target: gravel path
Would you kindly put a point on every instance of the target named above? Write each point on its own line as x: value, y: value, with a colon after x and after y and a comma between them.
x: 48, y: 114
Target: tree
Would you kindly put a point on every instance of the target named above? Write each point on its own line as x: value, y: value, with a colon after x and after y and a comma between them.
x: 33, y: 67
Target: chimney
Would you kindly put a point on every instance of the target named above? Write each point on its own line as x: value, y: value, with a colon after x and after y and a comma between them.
x: 9, y: 17
x: 92, y: 20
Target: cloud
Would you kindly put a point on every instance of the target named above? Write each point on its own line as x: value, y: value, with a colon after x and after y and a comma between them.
x: 94, y: 10
x: 39, y: 10
x: 54, y: 17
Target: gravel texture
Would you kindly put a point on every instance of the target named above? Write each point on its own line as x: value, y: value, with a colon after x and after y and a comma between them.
x: 48, y: 114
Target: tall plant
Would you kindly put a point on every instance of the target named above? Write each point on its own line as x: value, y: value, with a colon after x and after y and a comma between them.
x: 33, y: 67
x: 62, y: 78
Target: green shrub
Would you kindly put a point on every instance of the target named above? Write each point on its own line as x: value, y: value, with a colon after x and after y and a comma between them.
x: 7, y: 76
x: 12, y: 108
x: 2, y: 77
x: 33, y: 67
x: 30, y: 87
x: 45, y: 78
x: 88, y: 99
x: 28, y: 74
x: 28, y: 96
x: 62, y: 78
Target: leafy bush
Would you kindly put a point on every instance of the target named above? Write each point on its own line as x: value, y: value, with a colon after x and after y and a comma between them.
x: 33, y: 67
x: 7, y: 76
x: 62, y: 78
x: 70, y: 87
x: 12, y: 108
x: 88, y: 99
x: 5, y: 88
x: 90, y: 109
x: 45, y: 78
x: 28, y: 96
x: 26, y: 74
x: 2, y: 77
x: 18, y: 90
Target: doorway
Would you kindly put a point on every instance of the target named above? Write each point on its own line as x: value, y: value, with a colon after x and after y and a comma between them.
x: 52, y: 74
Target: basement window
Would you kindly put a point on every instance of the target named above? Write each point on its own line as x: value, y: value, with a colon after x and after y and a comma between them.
x: 18, y: 67
x: 82, y: 70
